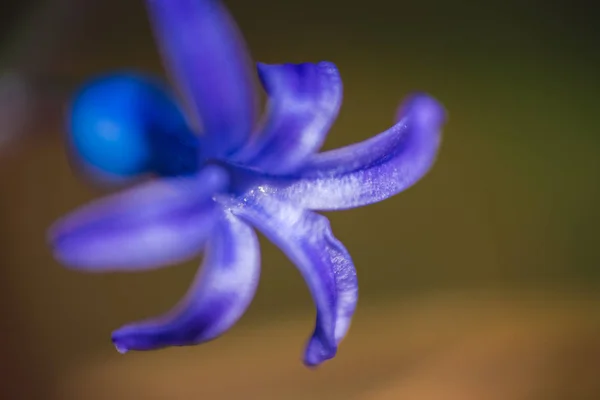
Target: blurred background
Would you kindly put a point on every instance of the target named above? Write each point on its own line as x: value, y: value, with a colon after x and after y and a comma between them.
x: 481, y: 282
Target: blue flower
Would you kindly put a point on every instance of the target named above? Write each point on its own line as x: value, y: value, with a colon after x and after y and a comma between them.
x: 217, y: 177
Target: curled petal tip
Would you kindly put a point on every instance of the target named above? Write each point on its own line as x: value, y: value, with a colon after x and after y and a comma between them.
x: 125, y: 340
x: 120, y: 348
x: 424, y: 108
x: 317, y: 352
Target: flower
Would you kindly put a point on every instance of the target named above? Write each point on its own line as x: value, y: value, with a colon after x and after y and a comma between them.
x: 211, y: 190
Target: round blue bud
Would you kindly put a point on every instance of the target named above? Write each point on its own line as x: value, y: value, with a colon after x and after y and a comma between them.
x: 117, y: 120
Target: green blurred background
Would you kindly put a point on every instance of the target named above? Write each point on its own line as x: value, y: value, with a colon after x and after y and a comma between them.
x: 510, y: 207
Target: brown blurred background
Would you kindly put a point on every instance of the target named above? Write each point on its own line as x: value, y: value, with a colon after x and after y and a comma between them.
x: 481, y: 282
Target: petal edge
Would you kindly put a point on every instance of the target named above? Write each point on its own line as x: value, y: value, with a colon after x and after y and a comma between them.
x: 221, y: 293
x: 205, y: 53
x: 151, y: 225
x: 304, y: 101
x: 306, y: 238
x: 373, y: 170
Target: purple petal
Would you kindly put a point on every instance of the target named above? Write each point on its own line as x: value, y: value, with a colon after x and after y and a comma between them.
x: 304, y: 100
x: 307, y: 240
x: 220, y: 295
x: 375, y: 169
x: 207, y: 58
x: 152, y: 225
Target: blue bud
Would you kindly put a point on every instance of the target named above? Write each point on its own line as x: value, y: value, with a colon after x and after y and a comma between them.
x: 117, y: 122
